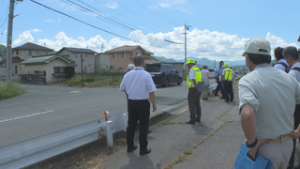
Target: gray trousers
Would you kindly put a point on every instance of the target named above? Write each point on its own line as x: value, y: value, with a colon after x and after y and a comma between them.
x: 280, y: 153
x: 194, y: 104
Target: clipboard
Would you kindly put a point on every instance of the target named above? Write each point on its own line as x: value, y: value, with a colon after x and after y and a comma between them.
x: 200, y: 85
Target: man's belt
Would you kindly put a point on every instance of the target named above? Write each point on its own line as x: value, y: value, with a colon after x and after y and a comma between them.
x: 279, y: 139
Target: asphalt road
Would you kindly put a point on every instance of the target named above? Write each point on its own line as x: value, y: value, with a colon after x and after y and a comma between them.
x: 46, y: 109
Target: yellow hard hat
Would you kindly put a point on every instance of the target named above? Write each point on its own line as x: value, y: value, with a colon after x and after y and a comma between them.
x: 226, y: 65
x: 190, y: 61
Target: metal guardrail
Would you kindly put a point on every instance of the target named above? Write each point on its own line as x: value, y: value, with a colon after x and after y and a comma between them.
x: 212, y: 87
x: 31, y: 151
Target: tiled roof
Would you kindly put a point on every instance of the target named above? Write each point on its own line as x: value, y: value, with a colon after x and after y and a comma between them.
x: 78, y: 50
x: 44, y: 58
x: 13, y: 59
x: 127, y: 48
x: 32, y: 46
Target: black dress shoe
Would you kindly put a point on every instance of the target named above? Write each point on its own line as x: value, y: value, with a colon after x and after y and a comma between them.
x: 143, y: 152
x: 190, y: 122
x: 130, y: 149
x: 198, y: 121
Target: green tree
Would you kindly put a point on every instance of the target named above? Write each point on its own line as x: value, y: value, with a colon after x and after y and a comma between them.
x: 70, y: 70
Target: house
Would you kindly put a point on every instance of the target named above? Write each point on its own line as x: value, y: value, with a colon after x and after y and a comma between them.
x: 75, y: 54
x: 15, y: 64
x: 101, y: 62
x: 50, y: 68
x: 26, y: 51
x: 120, y: 57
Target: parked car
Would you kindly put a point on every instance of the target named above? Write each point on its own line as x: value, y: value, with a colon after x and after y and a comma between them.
x: 212, y: 73
x: 164, y: 74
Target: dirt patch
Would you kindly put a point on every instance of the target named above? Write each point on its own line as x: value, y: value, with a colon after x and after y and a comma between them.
x: 95, y: 158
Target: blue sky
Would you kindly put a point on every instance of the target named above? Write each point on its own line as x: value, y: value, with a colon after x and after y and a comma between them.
x: 218, y: 29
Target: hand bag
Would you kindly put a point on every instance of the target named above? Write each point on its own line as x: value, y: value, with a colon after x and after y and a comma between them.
x: 243, y: 161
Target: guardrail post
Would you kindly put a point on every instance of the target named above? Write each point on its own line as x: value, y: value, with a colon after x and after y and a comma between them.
x: 109, y: 134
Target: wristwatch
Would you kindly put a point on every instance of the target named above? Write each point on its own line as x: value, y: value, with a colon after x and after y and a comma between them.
x: 251, y: 145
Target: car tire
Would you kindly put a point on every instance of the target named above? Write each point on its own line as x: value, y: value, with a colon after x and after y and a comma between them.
x: 179, y: 81
x: 167, y: 83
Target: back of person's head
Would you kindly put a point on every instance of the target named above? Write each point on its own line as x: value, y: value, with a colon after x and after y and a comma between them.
x: 278, y: 53
x: 204, y: 67
x: 130, y: 67
x: 138, y: 60
x: 291, y: 51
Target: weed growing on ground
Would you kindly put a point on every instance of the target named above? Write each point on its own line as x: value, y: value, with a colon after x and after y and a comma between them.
x: 188, y: 152
x: 8, y: 90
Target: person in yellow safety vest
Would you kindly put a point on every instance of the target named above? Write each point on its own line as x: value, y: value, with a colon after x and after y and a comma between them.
x: 192, y: 79
x: 227, y: 77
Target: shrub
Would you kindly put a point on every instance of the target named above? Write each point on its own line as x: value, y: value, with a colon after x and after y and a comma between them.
x: 70, y: 70
x: 76, y: 81
x: 8, y: 90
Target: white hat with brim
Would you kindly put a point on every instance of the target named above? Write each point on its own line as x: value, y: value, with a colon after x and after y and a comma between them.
x: 257, y: 46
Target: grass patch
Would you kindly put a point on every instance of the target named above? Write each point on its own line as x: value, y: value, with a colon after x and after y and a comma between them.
x: 76, y: 81
x: 175, y: 161
x: 95, y: 81
x: 8, y: 90
x: 188, y: 152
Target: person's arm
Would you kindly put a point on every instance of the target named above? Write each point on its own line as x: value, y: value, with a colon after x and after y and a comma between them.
x: 234, y: 75
x: 195, y: 84
x: 222, y: 76
x: 296, y: 133
x: 152, y: 98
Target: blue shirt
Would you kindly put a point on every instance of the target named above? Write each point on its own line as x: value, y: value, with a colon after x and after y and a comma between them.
x: 219, y: 72
x: 280, y: 66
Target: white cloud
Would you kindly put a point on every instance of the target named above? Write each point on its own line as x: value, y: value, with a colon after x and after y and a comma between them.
x: 200, y: 43
x: 36, y: 30
x: 23, y: 38
x: 169, y: 3
x: 49, y: 20
x: 111, y: 5
x: 59, y: 20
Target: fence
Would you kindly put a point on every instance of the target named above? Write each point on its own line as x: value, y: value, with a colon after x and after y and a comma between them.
x: 2, y: 71
x: 31, y: 151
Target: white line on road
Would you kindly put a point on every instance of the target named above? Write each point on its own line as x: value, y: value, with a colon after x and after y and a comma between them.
x: 29, y: 115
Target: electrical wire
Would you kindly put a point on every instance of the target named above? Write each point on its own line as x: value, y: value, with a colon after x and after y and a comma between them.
x: 86, y: 23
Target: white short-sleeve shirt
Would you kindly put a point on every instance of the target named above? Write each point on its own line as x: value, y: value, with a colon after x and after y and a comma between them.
x: 138, y: 84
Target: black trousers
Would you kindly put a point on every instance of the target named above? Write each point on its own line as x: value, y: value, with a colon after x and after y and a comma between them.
x: 296, y: 124
x: 228, y: 90
x: 138, y: 110
x: 194, y: 104
x: 219, y: 87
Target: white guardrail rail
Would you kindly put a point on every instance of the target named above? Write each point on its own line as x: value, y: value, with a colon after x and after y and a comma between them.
x: 31, y: 151
x: 212, y: 87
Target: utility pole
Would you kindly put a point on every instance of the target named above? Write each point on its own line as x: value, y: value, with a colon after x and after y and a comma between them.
x: 186, y: 27
x: 9, y: 40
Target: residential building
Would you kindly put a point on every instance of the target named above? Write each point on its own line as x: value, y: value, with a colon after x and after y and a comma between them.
x: 50, y: 68
x: 24, y: 52
x: 75, y: 54
x: 101, y: 62
x: 15, y: 64
x: 121, y: 57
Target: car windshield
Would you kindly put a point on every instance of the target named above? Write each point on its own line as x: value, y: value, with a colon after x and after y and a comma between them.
x: 152, y: 68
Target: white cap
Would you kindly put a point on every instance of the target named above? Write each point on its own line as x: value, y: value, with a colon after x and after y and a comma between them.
x: 257, y: 46
x: 130, y: 67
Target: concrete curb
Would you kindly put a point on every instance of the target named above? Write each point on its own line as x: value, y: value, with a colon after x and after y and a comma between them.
x: 59, y: 159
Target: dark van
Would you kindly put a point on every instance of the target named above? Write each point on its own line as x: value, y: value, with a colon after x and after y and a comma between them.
x: 164, y: 74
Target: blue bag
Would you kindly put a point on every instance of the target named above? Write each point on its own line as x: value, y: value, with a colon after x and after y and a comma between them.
x: 200, y: 85
x: 243, y: 161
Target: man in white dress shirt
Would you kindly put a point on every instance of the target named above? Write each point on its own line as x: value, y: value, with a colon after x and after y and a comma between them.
x: 139, y: 86
x: 205, y: 77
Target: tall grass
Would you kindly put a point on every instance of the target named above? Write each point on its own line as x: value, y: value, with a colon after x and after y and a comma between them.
x: 8, y: 90
x: 76, y: 81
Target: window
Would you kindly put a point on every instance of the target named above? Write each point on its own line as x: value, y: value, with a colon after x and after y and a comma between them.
x: 137, y: 53
x: 17, y: 52
x: 67, y: 55
x: 124, y: 55
x: 59, y: 69
x: 28, y: 52
x: 114, y: 55
x: 37, y: 52
x: 112, y: 67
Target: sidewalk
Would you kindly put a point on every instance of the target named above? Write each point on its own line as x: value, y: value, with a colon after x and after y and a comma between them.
x: 215, y: 144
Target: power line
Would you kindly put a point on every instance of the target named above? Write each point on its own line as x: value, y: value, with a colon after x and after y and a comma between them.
x: 158, y: 13
x: 102, y: 17
x: 92, y: 25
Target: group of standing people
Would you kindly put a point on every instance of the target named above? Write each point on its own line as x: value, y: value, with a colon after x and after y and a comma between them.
x: 224, y: 78
x: 268, y: 98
